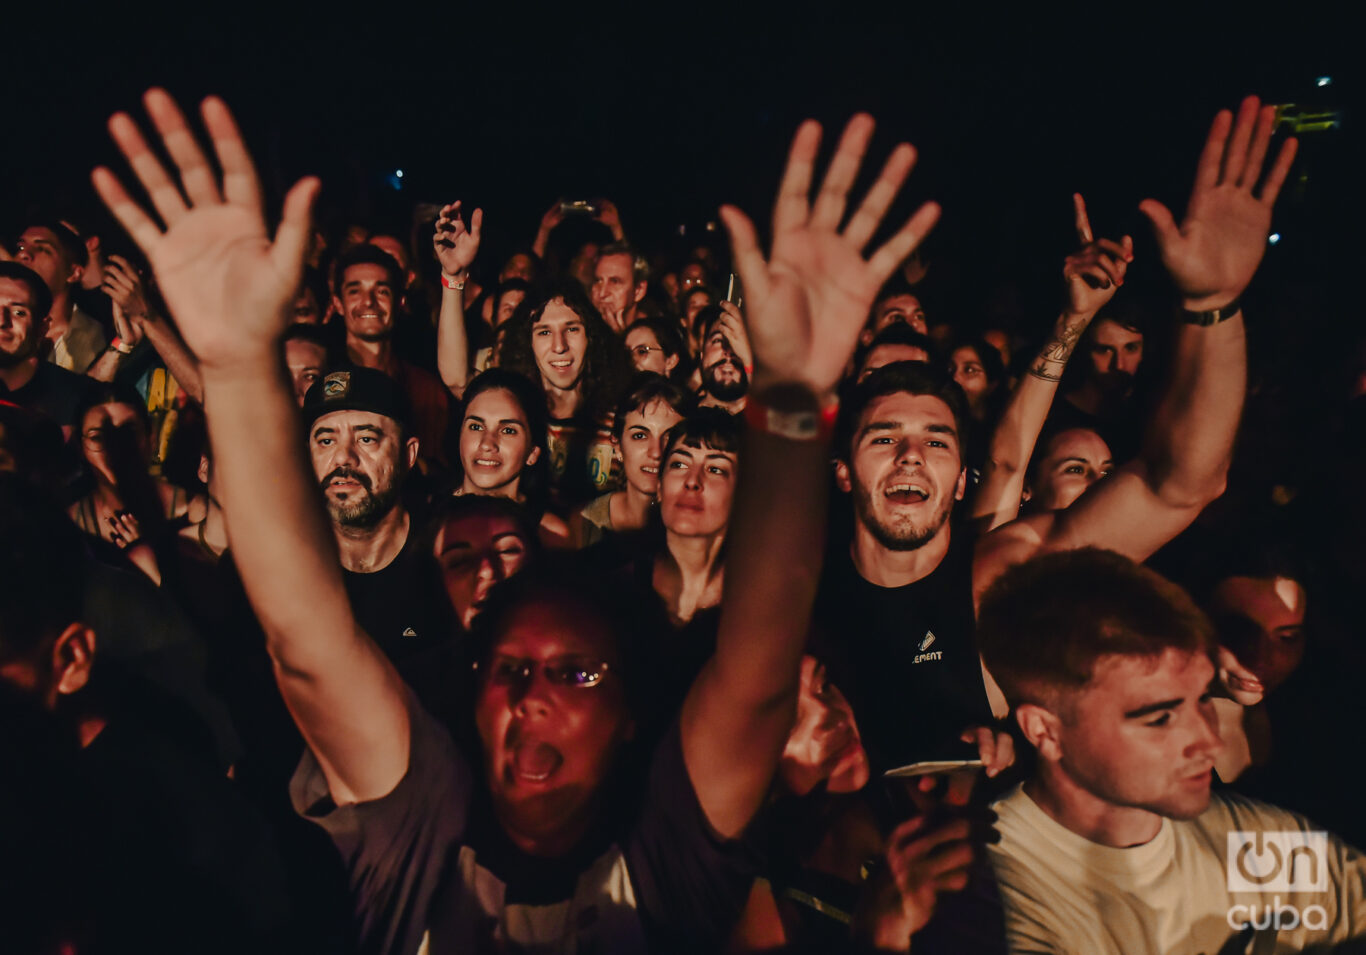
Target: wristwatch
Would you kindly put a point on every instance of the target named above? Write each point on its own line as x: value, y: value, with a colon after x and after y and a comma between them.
x: 1214, y: 315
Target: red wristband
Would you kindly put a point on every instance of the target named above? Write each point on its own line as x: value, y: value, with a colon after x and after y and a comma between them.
x: 451, y: 283
x: 793, y: 425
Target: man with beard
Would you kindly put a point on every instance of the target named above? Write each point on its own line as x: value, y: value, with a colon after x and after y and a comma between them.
x: 362, y: 450
x: 1105, y: 399
x: 558, y: 844
x: 25, y: 379
x: 725, y: 359
x: 899, y: 603
x: 369, y: 296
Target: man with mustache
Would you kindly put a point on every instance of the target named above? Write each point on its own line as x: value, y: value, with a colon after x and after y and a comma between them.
x: 725, y: 358
x: 362, y: 448
x: 559, y: 839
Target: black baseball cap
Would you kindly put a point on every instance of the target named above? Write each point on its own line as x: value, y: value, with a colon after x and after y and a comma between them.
x: 357, y: 389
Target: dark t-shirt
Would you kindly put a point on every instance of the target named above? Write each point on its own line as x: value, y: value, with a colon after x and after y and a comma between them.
x: 430, y: 402
x: 403, y: 606
x: 1122, y: 428
x: 193, y: 866
x: 428, y: 864
x: 905, y: 657
x: 53, y: 392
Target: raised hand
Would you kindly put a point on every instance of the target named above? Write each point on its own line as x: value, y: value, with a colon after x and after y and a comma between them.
x: 553, y: 217
x: 608, y: 215
x: 1095, y: 271
x: 732, y: 325
x: 923, y: 858
x: 128, y: 299
x: 808, y: 301
x: 455, y: 245
x: 1214, y: 252
x: 227, y: 285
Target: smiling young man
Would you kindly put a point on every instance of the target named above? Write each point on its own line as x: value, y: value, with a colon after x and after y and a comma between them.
x: 369, y: 297
x: 898, y: 602
x: 562, y: 342
x: 25, y: 379
x: 901, y: 604
x: 1115, y: 843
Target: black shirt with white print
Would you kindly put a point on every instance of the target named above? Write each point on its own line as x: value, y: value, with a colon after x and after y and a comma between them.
x: 905, y: 657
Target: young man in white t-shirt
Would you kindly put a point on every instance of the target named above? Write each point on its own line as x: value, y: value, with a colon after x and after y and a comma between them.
x: 1115, y: 844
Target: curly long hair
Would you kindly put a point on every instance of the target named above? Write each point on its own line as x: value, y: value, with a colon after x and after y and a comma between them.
x: 605, y: 366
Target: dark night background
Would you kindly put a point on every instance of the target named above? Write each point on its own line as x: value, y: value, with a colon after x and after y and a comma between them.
x: 671, y: 110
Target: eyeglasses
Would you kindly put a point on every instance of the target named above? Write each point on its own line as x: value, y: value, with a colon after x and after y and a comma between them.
x: 569, y: 671
x: 643, y: 351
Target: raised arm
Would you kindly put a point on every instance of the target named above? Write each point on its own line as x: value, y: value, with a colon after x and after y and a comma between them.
x: 455, y: 247
x: 1093, y: 274
x: 229, y: 288
x: 139, y: 320
x: 1211, y: 257
x: 806, y: 307
x: 549, y: 222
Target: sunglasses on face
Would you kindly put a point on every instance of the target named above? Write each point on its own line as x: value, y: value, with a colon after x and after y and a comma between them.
x: 567, y: 671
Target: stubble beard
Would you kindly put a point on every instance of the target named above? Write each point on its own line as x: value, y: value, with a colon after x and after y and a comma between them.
x: 905, y: 535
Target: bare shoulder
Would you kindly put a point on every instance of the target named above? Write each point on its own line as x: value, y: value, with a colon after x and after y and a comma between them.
x: 1007, y: 545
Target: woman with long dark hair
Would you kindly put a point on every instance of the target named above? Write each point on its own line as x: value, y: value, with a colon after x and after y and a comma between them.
x: 501, y: 445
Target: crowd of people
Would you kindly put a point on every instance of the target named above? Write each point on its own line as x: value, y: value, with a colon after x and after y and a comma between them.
x: 363, y: 591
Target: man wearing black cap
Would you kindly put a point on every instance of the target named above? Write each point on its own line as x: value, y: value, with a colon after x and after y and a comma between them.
x: 362, y: 450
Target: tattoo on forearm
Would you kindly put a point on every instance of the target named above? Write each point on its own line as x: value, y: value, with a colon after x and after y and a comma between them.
x: 1055, y: 353
x: 1043, y: 368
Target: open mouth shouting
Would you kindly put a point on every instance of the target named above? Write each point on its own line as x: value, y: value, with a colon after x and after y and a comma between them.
x: 906, y: 492
x: 531, y: 761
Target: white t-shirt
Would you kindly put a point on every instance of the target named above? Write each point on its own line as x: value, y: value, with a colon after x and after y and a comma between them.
x: 1064, y: 893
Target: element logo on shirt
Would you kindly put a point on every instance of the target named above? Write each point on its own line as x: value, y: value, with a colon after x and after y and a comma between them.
x: 932, y: 655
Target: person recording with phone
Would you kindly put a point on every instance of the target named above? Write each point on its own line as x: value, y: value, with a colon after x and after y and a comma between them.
x: 724, y: 362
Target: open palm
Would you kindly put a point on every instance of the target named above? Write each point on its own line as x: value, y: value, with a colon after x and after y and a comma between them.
x: 1213, y: 254
x: 226, y: 284
x: 809, y: 301
x: 454, y: 244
